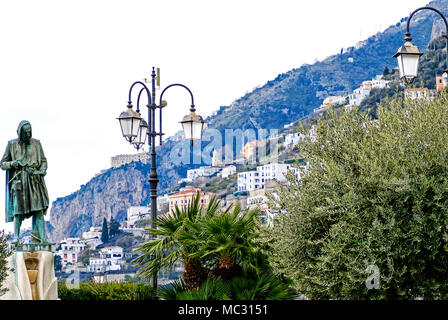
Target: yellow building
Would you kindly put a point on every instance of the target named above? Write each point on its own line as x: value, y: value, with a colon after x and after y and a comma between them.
x: 123, y: 159
x: 184, y: 197
x: 250, y: 149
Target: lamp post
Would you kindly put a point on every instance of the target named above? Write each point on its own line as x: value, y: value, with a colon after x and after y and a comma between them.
x: 135, y: 130
x: 408, y: 56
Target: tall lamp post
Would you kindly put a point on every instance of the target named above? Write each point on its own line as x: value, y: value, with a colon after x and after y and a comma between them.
x: 135, y: 130
x: 408, y: 56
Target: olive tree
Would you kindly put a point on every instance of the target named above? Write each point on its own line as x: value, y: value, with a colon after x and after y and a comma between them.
x: 369, y: 217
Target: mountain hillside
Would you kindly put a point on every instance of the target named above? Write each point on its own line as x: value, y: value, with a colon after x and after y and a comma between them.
x: 283, y: 100
x: 297, y: 92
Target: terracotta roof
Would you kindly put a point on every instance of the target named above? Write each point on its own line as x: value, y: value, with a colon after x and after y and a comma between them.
x: 187, y: 191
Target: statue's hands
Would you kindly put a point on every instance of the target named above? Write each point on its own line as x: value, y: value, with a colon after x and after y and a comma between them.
x: 36, y: 172
x: 15, y: 164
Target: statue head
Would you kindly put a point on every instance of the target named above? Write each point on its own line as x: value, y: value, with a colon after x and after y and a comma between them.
x: 24, y: 131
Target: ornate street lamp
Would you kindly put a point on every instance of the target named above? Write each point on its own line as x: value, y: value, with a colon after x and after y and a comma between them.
x: 130, y: 123
x: 135, y: 129
x: 193, y: 126
x: 408, y: 56
x: 140, y: 140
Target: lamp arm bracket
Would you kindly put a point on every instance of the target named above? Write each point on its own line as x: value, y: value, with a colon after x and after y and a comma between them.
x: 408, y: 34
x: 192, y: 109
x: 145, y: 88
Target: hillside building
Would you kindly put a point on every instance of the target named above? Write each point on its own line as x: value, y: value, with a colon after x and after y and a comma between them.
x: 256, y: 180
x: 92, y: 238
x: 184, y: 197
x: 249, y: 180
x: 357, y: 96
x: 379, y: 83
x: 418, y: 93
x: 109, y: 259
x: 292, y: 139
x: 201, y: 172
x: 258, y: 199
x: 234, y: 199
x: 70, y: 250
x: 135, y: 214
x: 249, y: 151
x: 228, y: 171
x: 441, y: 82
x: 122, y: 159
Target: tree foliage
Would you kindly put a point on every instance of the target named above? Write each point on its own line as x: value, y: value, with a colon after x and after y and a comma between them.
x: 376, y: 194
x: 104, y: 231
x: 114, y: 227
x: 4, y: 254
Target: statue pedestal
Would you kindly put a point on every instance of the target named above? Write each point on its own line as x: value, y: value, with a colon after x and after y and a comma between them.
x: 32, y: 277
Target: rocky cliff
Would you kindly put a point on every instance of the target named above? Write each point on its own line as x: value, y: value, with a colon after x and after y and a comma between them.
x: 107, y: 195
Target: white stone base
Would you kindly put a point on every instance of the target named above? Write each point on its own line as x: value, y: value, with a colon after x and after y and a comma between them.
x: 44, y: 286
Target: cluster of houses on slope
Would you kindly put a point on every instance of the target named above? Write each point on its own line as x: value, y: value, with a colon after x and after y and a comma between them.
x: 363, y: 91
x: 356, y: 97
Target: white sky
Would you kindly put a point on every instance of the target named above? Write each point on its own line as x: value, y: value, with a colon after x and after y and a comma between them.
x: 66, y: 66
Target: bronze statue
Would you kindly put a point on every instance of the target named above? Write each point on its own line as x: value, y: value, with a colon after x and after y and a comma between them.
x: 26, y: 193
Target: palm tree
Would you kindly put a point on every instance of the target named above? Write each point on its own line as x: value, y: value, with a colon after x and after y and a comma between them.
x: 177, y: 240
x: 227, y: 240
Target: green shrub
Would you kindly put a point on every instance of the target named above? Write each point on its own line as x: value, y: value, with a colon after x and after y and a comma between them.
x: 105, y: 291
x: 81, y: 293
x: 250, y: 286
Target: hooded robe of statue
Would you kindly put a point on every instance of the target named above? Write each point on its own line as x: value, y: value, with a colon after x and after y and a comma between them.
x: 26, y: 193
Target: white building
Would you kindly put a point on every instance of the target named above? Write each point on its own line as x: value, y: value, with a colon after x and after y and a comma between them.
x: 249, y: 180
x: 418, y: 93
x: 334, y: 100
x: 228, y: 171
x: 70, y: 250
x: 274, y: 171
x: 357, y: 96
x: 256, y: 180
x: 110, y: 259
x: 92, y: 238
x: 93, y: 232
x: 292, y: 139
x: 136, y: 213
x: 201, y: 172
x: 379, y: 83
